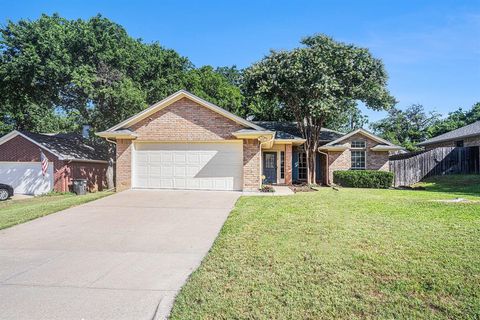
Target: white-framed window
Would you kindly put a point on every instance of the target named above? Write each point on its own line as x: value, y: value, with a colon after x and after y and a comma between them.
x: 359, y: 144
x: 302, y: 166
x: 282, y: 165
x: 358, y: 159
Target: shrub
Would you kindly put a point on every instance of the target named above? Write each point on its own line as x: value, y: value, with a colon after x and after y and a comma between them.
x: 363, y: 179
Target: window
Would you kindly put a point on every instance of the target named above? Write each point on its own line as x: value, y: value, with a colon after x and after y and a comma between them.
x: 302, y: 166
x: 358, y: 160
x: 282, y: 165
x: 459, y: 143
x: 358, y: 144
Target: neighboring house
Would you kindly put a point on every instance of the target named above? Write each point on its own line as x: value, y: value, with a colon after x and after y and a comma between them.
x: 185, y: 142
x: 69, y: 156
x: 467, y: 136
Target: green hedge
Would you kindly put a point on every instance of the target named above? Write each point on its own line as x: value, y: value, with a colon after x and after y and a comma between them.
x: 363, y: 179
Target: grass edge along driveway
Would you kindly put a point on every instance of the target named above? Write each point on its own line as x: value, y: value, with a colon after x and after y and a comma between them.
x: 13, y: 212
x: 352, y: 254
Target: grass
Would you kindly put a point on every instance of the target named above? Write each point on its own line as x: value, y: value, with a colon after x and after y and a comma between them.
x: 13, y: 212
x: 349, y: 254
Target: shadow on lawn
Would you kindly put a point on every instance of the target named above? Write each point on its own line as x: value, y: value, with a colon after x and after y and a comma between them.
x: 458, y: 184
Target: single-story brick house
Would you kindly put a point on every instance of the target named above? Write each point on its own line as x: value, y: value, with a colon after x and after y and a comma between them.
x: 466, y: 136
x: 185, y: 142
x: 69, y: 155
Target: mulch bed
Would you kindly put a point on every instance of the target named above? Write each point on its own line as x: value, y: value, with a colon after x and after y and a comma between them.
x: 301, y: 188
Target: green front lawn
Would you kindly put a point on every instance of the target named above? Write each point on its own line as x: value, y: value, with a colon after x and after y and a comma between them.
x: 353, y: 253
x: 13, y: 212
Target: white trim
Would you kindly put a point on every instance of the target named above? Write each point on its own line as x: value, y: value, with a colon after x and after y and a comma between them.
x: 361, y: 131
x: 86, y: 160
x: 175, y: 97
x: 15, y: 133
x: 358, y: 150
x: 379, y: 147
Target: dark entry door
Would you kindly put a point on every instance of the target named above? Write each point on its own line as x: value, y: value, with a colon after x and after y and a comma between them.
x: 270, y: 167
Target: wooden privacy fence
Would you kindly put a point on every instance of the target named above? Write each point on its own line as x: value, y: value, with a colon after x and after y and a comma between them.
x: 410, y: 168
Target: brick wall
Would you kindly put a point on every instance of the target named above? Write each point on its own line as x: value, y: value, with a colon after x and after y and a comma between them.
x: 185, y: 120
x: 124, y: 165
x: 375, y: 160
x: 251, y: 165
x: 22, y: 150
x: 95, y: 173
x: 288, y: 164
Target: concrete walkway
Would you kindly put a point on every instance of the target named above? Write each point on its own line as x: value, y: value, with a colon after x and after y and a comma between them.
x: 121, y: 257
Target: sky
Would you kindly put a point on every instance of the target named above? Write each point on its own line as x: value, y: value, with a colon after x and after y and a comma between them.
x: 431, y: 49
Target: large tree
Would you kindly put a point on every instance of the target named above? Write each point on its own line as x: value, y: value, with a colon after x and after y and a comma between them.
x: 54, y: 68
x: 455, y: 120
x: 318, y: 81
x: 406, y: 127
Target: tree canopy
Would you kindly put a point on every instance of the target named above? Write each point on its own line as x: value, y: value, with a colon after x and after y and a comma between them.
x: 57, y: 74
x: 413, y: 125
x: 406, y: 128
x: 318, y: 81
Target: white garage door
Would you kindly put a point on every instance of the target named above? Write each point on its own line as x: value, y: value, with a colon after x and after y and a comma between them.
x: 26, y: 177
x: 205, y: 166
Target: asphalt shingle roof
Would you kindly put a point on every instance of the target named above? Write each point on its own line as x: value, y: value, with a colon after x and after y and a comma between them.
x: 289, y: 130
x: 70, y: 146
x: 466, y: 131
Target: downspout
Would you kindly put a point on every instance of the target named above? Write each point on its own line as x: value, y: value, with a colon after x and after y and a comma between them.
x: 261, y: 158
x: 326, y: 167
x: 115, y: 143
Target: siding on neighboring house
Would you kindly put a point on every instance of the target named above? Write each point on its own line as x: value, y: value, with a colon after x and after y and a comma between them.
x: 467, y: 142
x: 19, y: 149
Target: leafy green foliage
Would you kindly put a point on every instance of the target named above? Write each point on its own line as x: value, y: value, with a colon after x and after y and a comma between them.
x: 54, y: 70
x: 455, y: 120
x: 319, y: 81
x: 363, y: 179
x: 406, y: 128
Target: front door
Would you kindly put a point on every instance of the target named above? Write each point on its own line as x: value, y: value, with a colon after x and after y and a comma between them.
x: 270, y: 167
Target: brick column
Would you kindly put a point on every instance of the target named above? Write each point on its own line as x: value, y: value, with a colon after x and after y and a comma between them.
x: 251, y: 165
x: 124, y: 165
x: 288, y: 164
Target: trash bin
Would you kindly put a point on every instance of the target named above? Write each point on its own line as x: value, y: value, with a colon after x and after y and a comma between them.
x: 80, y: 186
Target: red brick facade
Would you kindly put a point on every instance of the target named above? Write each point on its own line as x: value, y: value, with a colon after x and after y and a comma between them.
x: 185, y: 120
x: 251, y: 165
x: 124, y: 164
x: 19, y: 149
x: 374, y: 160
x: 288, y: 164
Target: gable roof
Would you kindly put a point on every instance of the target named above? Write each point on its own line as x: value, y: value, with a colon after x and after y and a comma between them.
x: 365, y: 133
x: 68, y: 146
x: 289, y: 130
x: 173, y: 98
x: 472, y: 129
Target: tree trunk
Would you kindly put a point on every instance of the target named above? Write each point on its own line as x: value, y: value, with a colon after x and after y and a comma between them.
x: 311, y: 165
x: 110, y: 182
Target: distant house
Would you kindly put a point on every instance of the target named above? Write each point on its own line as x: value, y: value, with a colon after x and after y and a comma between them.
x: 69, y: 155
x: 467, y: 136
x: 185, y: 142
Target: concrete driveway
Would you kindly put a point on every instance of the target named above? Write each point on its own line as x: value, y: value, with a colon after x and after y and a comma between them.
x: 121, y: 257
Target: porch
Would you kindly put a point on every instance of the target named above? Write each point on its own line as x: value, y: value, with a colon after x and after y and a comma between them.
x: 286, y: 164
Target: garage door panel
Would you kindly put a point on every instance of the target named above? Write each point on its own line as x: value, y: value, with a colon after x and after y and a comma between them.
x: 208, y: 166
x: 27, y: 177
